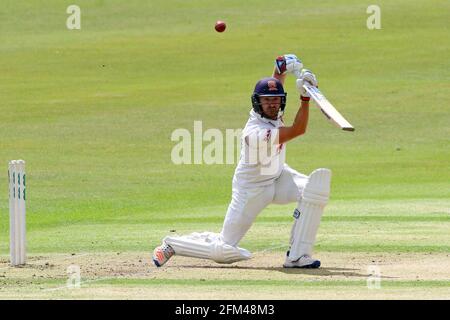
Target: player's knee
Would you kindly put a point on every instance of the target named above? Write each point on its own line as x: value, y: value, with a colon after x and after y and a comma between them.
x: 225, y: 253
x: 317, y: 190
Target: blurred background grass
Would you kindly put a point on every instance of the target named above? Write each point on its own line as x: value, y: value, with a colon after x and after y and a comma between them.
x: 92, y: 112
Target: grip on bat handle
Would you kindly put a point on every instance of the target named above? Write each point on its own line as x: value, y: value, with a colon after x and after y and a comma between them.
x: 297, y: 74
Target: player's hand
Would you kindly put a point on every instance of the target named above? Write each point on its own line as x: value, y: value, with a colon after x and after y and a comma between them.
x: 288, y: 63
x: 306, y: 77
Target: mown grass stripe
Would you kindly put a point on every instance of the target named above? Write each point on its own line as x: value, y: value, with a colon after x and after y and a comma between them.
x: 387, y: 248
x: 363, y: 248
x: 272, y: 282
x: 257, y: 247
x: 235, y: 283
x: 262, y: 219
x: 25, y: 283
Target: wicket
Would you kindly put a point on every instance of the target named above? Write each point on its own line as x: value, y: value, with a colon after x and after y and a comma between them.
x: 17, y: 197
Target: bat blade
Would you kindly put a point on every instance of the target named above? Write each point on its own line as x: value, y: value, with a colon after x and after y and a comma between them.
x: 327, y: 108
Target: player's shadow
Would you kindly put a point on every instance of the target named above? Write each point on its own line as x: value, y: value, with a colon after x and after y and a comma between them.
x: 322, y: 271
x: 326, y: 272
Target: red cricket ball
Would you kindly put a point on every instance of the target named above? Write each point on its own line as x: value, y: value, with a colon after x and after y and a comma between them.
x: 220, y: 26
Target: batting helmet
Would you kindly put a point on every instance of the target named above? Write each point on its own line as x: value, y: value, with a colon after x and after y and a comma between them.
x: 268, y: 87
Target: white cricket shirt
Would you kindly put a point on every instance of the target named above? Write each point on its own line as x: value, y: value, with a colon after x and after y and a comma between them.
x: 262, y: 158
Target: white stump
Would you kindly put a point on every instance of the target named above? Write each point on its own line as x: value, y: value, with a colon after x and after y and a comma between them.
x: 17, y: 197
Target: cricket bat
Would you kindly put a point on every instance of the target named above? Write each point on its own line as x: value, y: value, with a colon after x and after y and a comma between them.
x: 327, y: 108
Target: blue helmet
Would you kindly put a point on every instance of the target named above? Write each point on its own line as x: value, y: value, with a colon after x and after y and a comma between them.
x: 268, y: 87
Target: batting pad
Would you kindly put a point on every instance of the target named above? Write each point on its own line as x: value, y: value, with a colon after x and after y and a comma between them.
x: 309, y: 212
x: 206, y: 245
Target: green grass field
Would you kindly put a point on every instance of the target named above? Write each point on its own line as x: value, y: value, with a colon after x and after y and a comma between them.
x: 92, y: 112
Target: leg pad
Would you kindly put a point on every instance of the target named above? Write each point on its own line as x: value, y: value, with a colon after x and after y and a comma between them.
x: 309, y: 212
x: 207, y: 245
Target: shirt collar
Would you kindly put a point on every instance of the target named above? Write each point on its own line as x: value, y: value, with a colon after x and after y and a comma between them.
x: 256, y: 115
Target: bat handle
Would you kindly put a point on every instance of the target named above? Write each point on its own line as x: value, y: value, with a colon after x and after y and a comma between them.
x: 297, y: 74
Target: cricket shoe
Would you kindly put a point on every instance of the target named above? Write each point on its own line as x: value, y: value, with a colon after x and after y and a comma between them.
x: 304, y: 261
x: 162, y: 254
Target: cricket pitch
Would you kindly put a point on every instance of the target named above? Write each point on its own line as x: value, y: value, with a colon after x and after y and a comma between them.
x: 132, y: 276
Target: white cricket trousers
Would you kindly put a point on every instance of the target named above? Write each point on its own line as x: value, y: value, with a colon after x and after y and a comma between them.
x: 247, y: 203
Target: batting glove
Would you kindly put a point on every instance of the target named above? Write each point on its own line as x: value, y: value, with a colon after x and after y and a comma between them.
x: 306, y: 77
x: 288, y: 63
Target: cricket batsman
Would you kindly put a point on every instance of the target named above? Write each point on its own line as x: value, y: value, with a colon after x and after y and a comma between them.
x: 262, y: 177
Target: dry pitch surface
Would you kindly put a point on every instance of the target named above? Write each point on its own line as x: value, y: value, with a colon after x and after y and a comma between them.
x: 131, y: 276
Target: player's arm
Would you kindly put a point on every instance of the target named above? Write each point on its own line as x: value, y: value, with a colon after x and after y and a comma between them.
x: 278, y: 76
x: 298, y: 127
x: 301, y: 119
